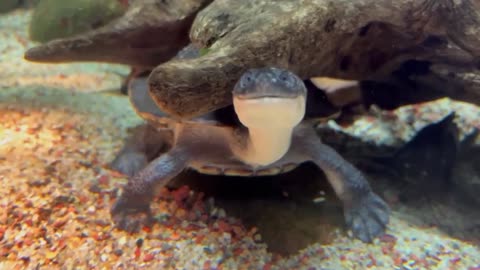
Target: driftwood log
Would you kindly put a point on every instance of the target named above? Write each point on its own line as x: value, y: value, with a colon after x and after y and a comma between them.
x: 360, y: 40
x: 402, y: 52
x: 149, y: 33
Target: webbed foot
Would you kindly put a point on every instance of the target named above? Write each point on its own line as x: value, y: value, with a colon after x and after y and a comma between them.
x: 131, y: 215
x: 132, y: 211
x: 367, y: 217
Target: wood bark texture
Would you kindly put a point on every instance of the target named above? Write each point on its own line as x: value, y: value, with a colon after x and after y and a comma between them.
x: 361, y: 40
x: 149, y: 33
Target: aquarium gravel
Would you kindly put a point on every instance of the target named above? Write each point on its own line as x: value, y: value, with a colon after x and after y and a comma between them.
x: 56, y: 139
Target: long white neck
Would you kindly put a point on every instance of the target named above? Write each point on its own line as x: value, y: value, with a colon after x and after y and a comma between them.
x: 267, y: 145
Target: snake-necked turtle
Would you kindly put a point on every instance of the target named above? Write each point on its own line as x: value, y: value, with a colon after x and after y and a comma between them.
x: 271, y: 137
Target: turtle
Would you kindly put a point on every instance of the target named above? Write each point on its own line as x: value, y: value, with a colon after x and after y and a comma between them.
x: 272, y: 136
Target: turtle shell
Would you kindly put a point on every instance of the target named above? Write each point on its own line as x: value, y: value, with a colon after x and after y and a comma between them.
x: 146, y: 108
x: 317, y: 110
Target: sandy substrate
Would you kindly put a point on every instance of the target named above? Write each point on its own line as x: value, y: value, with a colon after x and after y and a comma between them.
x: 56, y: 136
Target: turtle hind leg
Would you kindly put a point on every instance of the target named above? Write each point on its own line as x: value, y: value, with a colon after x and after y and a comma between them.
x: 145, y: 144
x: 131, y: 211
x: 366, y: 214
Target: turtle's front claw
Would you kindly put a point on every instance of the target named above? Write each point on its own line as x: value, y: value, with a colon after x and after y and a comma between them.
x: 131, y: 217
x: 367, y: 217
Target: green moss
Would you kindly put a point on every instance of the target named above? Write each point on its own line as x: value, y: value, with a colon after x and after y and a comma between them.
x: 59, y: 18
x: 204, y: 51
x: 8, y: 5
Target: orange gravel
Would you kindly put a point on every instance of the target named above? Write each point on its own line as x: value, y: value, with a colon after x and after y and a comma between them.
x: 55, y: 194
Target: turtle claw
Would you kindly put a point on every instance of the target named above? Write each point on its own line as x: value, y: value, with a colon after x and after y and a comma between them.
x: 131, y: 217
x: 367, y: 217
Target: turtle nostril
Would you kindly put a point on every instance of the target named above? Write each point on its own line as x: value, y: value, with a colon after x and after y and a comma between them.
x: 245, y: 82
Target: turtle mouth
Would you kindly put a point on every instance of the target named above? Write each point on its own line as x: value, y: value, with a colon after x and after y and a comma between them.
x: 266, y: 97
x: 270, y: 111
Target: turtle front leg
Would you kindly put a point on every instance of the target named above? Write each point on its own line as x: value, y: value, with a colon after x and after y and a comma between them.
x: 366, y: 214
x: 145, y: 144
x: 131, y: 211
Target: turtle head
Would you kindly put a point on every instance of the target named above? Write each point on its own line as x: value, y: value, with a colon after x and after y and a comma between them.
x: 269, y: 98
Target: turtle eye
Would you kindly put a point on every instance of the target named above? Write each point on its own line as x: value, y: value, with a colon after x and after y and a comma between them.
x: 246, y: 81
x: 288, y: 79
